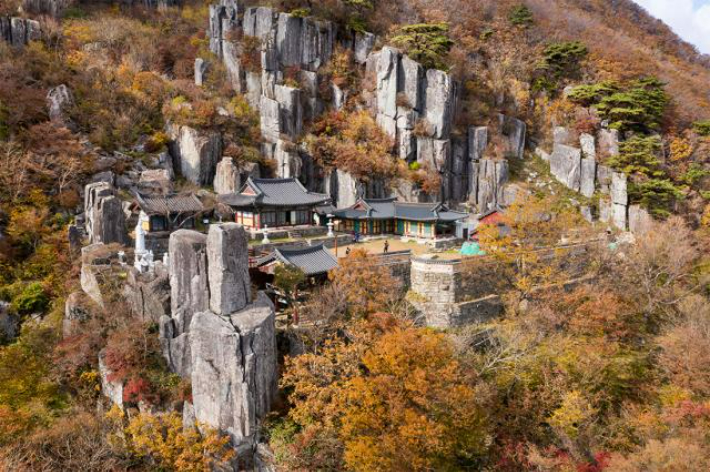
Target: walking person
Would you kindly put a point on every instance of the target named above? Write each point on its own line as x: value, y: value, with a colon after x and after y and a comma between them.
x: 387, y: 246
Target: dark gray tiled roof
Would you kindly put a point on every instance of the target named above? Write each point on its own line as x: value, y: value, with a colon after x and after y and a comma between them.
x: 284, y: 192
x: 312, y: 260
x: 170, y: 204
x: 390, y: 209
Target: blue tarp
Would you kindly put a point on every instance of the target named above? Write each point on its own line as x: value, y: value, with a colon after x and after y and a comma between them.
x: 472, y: 249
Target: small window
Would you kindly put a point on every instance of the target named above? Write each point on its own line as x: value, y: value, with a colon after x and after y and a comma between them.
x: 158, y: 223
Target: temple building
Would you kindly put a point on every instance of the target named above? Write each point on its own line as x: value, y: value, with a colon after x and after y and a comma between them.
x: 314, y: 261
x: 388, y: 216
x: 168, y: 213
x: 274, y: 203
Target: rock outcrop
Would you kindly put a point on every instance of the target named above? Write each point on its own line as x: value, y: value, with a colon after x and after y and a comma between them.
x: 195, y: 153
x: 76, y: 310
x: 227, y: 178
x: 105, y: 221
x: 19, y: 31
x: 566, y: 166
x: 234, y: 369
x: 148, y: 293
x: 228, y: 268
x: 59, y: 99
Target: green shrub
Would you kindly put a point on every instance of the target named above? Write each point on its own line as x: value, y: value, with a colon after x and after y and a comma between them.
x: 427, y: 43
x: 589, y: 95
x: 414, y: 166
x: 32, y: 299
x: 301, y: 12
x: 520, y: 15
x: 639, y: 155
x: 702, y: 127
x: 658, y: 195
x: 560, y: 61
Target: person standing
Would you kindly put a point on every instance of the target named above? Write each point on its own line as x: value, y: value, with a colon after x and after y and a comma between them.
x: 387, y: 246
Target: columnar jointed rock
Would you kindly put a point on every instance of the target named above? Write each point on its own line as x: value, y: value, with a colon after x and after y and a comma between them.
x: 440, y: 102
x: 619, y: 200
x: 200, y: 70
x: 59, y: 99
x: 189, y: 288
x: 234, y: 375
x: 228, y: 268
x: 227, y: 179
x: 566, y: 166
x: 640, y: 220
x: 515, y: 131
x: 148, y: 294
x: 105, y: 220
x: 492, y: 176
x: 19, y: 31
x: 608, y: 140
x: 588, y: 176
x: 196, y: 153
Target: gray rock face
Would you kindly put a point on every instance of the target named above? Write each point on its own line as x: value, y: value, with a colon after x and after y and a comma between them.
x: 386, y: 68
x: 223, y: 19
x: 270, y: 119
x: 228, y: 268
x: 288, y: 160
x: 196, y: 153
x: 148, y: 294
x: 619, y: 215
x: 605, y: 210
x: 59, y: 99
x: 104, y: 211
x: 364, y: 43
x: 440, y: 102
x: 75, y: 236
x: 47, y: 7
x: 200, y: 71
x: 290, y: 110
x: 492, y: 177
x: 515, y: 132
x: 234, y: 372
x: 586, y: 142
x: 588, y: 177
x: 433, y: 152
x: 343, y: 189
x: 566, y: 166
x: 619, y: 193
x: 640, y: 221
x: 227, y: 179
x: 19, y: 31
x: 189, y: 288
x: 93, y: 263
x: 477, y: 142
x: 411, y: 78
x: 608, y: 140
x: 604, y: 179
x: 561, y: 135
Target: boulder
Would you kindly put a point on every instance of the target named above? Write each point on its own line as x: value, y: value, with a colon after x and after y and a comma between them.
x: 227, y: 179
x: 156, y: 181
x: 228, y: 268
x: 440, y: 102
x: 234, y: 369
x: 196, y: 153
x: 59, y: 99
x: 566, y: 166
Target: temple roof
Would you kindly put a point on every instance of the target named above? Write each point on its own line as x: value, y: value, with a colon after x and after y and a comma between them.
x: 312, y: 260
x: 387, y: 209
x: 273, y: 192
x: 155, y: 205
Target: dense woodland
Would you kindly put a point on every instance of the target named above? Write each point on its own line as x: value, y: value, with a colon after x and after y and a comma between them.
x: 612, y: 374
